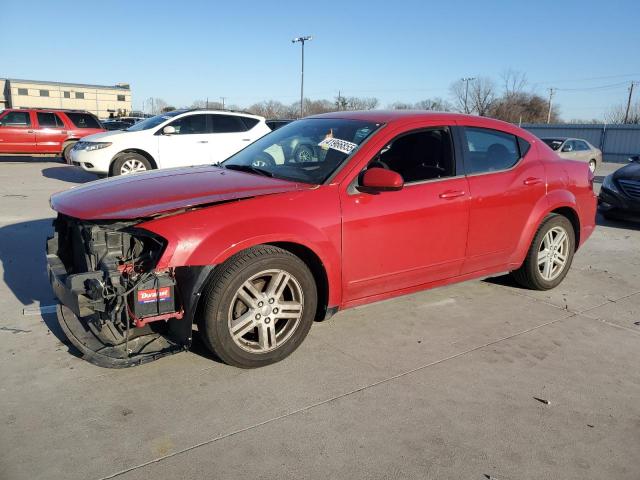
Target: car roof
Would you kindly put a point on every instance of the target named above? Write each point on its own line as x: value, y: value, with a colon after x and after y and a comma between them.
x: 410, y: 116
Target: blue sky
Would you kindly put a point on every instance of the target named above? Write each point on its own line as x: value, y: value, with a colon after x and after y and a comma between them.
x: 394, y: 50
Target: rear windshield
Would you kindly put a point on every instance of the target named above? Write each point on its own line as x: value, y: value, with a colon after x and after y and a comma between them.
x: 83, y: 120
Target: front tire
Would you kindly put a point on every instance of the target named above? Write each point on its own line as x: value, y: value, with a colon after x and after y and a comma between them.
x: 128, y: 163
x: 66, y: 152
x: 258, y: 307
x: 550, y: 255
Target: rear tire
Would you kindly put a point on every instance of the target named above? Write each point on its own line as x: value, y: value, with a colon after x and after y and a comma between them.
x: 128, y: 163
x: 550, y: 255
x: 258, y: 307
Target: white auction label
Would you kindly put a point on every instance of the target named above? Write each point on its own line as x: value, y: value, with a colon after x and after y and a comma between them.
x: 338, y: 144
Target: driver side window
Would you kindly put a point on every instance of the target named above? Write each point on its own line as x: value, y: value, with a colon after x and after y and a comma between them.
x: 419, y: 156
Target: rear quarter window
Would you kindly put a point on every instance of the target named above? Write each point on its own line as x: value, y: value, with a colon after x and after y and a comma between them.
x: 83, y: 120
x: 250, y: 122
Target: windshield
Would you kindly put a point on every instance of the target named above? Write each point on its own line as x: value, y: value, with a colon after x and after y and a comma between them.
x: 306, y: 151
x: 153, y: 121
x: 554, y: 143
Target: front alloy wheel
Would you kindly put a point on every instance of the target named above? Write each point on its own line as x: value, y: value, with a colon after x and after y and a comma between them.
x: 132, y: 165
x: 265, y: 311
x: 258, y: 307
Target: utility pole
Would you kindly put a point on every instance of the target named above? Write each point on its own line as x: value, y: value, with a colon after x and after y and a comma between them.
x: 339, y: 100
x: 626, y: 113
x: 302, y: 41
x: 223, y: 99
x: 466, y: 81
x: 551, y: 92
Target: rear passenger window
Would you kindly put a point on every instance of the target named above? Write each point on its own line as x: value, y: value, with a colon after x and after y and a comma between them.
x: 83, y: 120
x: 49, y: 120
x: 227, y: 124
x: 489, y: 150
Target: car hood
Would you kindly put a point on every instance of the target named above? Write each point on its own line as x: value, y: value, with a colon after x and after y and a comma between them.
x: 631, y: 172
x: 152, y: 193
x: 111, y: 135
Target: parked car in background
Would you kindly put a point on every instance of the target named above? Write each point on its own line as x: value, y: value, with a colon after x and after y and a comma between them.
x: 115, y: 125
x: 254, y: 251
x: 130, y: 120
x: 276, y: 124
x: 175, y: 139
x: 39, y: 131
x: 620, y: 193
x: 576, y: 149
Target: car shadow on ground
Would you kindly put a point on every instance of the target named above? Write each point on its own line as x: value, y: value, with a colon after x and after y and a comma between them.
x: 68, y: 173
x: 23, y: 258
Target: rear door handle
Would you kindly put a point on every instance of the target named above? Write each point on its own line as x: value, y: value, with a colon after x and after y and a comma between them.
x: 532, y: 181
x: 29, y: 131
x: 450, y: 194
x: 203, y: 141
x: 246, y: 139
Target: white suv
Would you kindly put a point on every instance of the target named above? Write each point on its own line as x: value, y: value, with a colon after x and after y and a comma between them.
x: 173, y: 139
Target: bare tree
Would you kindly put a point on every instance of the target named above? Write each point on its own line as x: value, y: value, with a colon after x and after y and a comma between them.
x: 513, y: 82
x: 400, y: 106
x: 482, y: 93
x: 460, y: 94
x: 156, y: 105
x: 270, y: 109
x: 434, y: 104
x: 617, y: 114
x: 522, y: 108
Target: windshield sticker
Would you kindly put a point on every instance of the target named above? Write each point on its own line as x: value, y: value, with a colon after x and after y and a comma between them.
x: 338, y: 144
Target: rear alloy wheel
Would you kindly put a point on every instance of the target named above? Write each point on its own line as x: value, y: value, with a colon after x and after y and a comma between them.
x: 592, y: 166
x: 549, y: 256
x: 128, y: 163
x: 258, y: 307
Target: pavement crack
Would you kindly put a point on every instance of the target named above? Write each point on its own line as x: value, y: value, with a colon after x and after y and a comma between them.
x: 332, y: 399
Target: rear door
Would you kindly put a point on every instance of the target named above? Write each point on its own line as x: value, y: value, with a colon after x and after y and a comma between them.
x: 189, y: 145
x: 230, y: 135
x: 16, y: 133
x: 50, y: 132
x: 506, y: 180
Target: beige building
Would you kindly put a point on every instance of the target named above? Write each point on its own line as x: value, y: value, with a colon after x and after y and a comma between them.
x: 101, y: 100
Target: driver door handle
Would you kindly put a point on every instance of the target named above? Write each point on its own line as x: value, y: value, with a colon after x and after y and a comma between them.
x: 451, y: 194
x: 203, y: 141
x: 246, y: 139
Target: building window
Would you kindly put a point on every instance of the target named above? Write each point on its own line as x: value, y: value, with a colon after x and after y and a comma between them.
x: 121, y: 98
x: 80, y: 95
x: 66, y: 94
x: 44, y: 93
x: 23, y: 91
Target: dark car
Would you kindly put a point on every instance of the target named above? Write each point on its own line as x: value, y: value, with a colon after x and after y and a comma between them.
x: 620, y: 192
x: 115, y: 125
x: 276, y: 124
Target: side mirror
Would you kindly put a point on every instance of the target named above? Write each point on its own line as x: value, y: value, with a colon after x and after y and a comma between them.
x: 169, y: 130
x: 634, y: 158
x: 567, y: 148
x: 378, y: 179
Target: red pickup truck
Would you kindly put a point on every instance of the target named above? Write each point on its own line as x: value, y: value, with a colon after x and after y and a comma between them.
x: 36, y: 131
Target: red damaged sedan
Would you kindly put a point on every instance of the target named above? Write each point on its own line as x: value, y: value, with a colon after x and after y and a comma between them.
x: 253, y: 251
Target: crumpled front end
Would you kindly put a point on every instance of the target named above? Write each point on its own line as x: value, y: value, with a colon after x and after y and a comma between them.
x: 116, y: 308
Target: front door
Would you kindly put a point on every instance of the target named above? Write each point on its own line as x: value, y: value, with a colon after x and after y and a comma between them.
x: 189, y: 145
x: 50, y: 132
x: 400, y: 239
x: 16, y: 133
